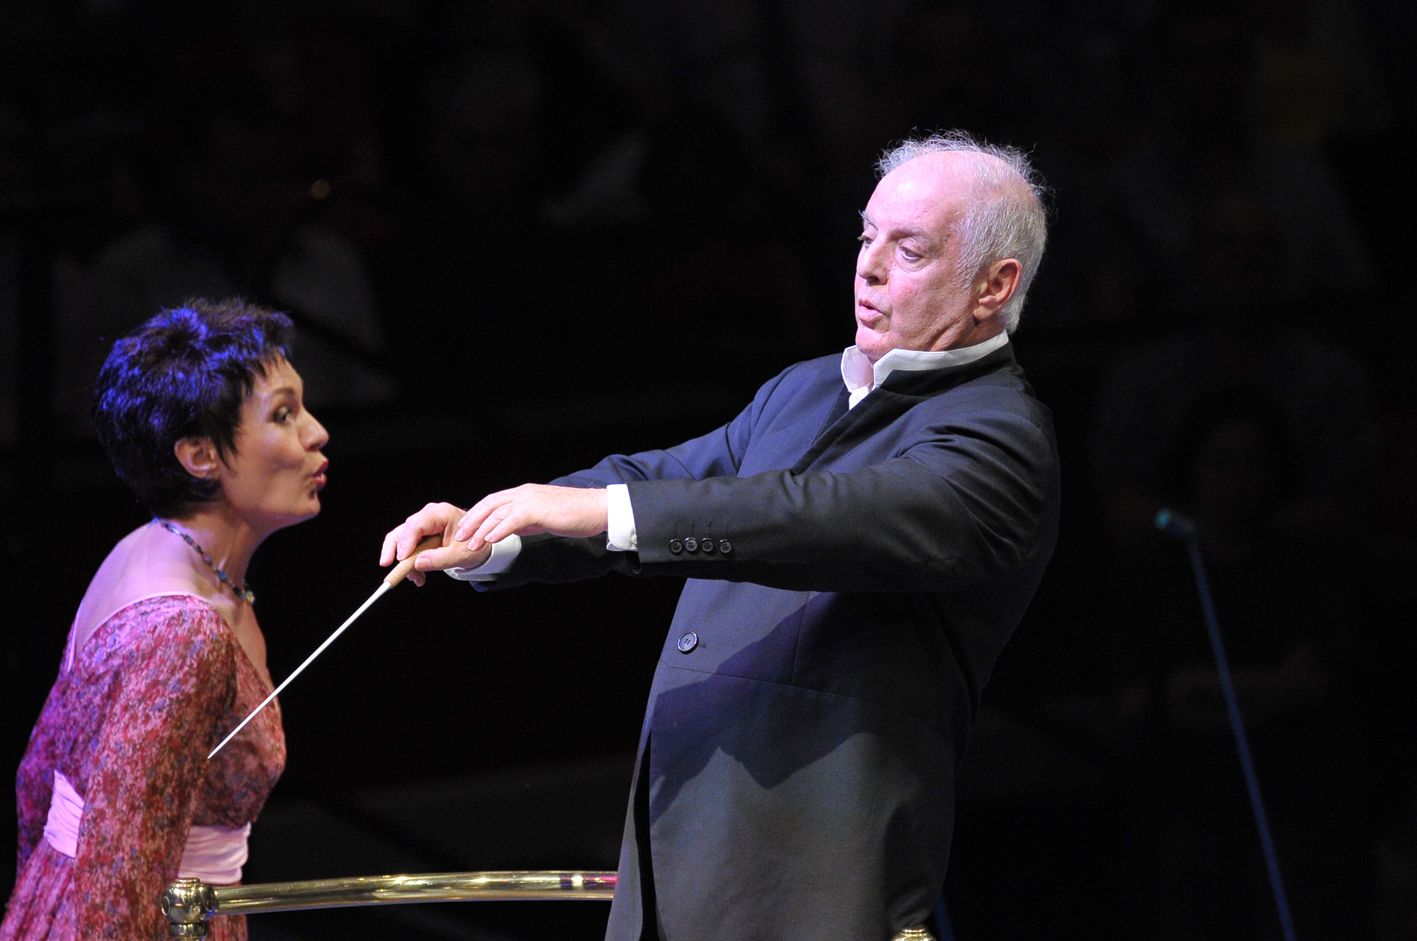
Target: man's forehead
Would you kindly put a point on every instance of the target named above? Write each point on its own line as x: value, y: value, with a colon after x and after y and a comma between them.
x: 924, y: 193
x: 933, y: 174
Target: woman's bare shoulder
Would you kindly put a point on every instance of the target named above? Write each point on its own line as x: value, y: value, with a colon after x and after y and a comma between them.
x: 141, y: 566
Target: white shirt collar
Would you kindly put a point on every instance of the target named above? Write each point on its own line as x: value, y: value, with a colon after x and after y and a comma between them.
x: 861, y: 375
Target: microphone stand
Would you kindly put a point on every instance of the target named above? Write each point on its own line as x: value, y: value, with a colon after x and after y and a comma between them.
x: 1174, y: 524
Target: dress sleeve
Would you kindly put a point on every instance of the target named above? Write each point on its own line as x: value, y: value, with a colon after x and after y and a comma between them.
x: 34, y: 782
x: 162, y: 715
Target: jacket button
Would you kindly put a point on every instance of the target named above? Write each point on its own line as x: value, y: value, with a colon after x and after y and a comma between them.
x: 675, y: 546
x: 688, y: 641
x: 725, y: 546
x: 691, y: 544
x: 707, y: 545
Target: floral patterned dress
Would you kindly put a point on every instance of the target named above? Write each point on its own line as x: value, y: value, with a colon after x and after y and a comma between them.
x: 130, y: 724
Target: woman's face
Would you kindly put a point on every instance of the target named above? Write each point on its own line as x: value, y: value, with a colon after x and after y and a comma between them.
x: 274, y: 476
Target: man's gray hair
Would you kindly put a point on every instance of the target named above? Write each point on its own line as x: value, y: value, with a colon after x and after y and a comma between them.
x: 1005, y: 216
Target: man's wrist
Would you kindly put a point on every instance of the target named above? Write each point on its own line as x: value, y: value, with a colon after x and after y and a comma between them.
x: 498, y: 561
x: 620, y: 534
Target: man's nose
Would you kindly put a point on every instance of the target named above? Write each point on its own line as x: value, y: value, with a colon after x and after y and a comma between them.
x: 869, y: 266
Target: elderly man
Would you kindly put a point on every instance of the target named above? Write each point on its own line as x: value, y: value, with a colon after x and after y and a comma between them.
x: 859, y: 542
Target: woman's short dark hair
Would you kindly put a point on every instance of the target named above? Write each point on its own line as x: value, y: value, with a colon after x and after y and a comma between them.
x: 183, y: 374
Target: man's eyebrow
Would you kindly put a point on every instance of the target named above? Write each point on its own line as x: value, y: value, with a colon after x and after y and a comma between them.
x: 924, y: 235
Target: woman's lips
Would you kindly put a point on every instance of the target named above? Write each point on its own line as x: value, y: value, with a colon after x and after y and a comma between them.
x: 319, y: 476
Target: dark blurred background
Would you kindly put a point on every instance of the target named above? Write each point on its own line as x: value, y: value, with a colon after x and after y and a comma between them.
x: 517, y: 236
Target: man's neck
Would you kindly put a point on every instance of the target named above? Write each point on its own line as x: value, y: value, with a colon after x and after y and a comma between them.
x: 861, y: 375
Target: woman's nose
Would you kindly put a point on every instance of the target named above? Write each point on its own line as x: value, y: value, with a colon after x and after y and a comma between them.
x: 316, y: 437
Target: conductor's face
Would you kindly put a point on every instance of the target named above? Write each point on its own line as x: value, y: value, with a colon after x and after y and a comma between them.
x: 909, y: 292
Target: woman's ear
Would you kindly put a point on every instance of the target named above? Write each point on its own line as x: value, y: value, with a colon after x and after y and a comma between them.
x: 199, y: 457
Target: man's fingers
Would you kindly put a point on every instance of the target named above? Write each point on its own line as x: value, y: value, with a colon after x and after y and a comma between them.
x: 478, y: 539
x: 412, y: 537
x: 487, y: 532
x: 399, y: 542
x: 423, y: 523
x: 468, y: 525
x: 472, y: 520
x: 433, y: 520
x: 502, y: 524
x: 455, y: 556
x: 533, y: 508
x: 403, y: 540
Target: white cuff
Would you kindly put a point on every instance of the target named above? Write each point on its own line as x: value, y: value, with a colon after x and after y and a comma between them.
x: 620, y: 533
x: 504, y: 553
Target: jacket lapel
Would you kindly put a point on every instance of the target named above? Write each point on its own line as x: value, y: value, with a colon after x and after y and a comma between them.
x: 845, y: 428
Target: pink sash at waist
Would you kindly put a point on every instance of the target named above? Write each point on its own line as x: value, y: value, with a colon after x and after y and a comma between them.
x: 213, y: 854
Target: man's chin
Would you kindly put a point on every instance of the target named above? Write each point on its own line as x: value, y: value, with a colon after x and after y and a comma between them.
x: 873, y: 344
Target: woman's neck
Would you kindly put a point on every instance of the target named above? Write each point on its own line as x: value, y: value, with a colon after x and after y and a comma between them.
x: 228, y: 539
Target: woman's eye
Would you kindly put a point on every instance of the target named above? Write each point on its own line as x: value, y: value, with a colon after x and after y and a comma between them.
x: 281, y: 416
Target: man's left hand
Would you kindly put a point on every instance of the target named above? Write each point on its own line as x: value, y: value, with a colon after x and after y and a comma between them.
x: 530, y: 509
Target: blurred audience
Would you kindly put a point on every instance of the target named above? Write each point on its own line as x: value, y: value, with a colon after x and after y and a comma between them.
x: 1240, y: 334
x: 252, y: 132
x: 711, y: 214
x: 1286, y: 615
x: 471, y: 262
x: 1395, y: 862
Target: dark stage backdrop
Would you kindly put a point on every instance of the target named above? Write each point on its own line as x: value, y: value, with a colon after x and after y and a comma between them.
x: 517, y: 236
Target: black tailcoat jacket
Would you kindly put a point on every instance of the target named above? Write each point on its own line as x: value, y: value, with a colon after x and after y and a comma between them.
x: 853, y: 576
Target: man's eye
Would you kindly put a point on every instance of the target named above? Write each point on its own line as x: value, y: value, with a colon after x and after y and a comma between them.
x: 864, y: 239
x: 910, y: 255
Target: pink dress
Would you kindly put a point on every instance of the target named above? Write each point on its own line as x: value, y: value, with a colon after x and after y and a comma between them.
x: 130, y: 724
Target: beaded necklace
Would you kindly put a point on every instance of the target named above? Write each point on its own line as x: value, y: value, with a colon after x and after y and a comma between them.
x: 241, y: 591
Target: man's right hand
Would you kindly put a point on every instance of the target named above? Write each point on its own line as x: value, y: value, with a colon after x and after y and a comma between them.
x: 434, y: 519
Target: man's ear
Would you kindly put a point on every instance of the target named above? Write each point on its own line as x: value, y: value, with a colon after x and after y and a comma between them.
x: 199, y: 457
x: 997, y: 283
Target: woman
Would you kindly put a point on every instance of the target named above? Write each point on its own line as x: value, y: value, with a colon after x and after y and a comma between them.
x: 201, y: 414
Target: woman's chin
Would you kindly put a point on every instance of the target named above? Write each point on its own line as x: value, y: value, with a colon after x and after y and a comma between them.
x: 308, y: 511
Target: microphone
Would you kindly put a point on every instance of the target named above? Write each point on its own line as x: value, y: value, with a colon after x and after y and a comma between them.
x: 1174, y: 524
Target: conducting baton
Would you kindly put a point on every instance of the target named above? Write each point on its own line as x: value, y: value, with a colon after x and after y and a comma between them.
x: 396, y: 575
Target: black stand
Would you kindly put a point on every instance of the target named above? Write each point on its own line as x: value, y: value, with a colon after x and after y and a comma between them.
x: 1185, y: 530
